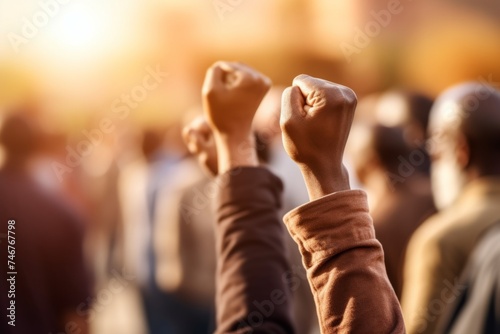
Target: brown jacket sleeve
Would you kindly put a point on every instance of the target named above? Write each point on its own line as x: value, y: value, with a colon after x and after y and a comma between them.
x: 345, y: 265
x: 251, y: 291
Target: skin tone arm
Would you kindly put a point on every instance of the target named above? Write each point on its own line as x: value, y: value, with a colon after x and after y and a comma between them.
x: 316, y: 119
x: 249, y: 234
x: 231, y: 94
x: 334, y: 232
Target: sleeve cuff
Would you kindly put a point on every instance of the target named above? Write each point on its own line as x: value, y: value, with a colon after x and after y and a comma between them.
x: 330, y: 225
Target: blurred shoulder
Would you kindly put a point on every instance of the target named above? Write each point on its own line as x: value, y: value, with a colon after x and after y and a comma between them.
x: 435, y: 232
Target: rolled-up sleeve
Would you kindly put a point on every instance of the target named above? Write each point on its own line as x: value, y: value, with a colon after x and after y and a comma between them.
x: 345, y: 265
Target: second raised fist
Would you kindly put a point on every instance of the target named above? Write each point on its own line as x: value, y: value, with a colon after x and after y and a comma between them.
x: 231, y: 95
x: 316, y: 118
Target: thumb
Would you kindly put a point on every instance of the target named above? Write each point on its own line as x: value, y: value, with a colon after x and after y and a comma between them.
x: 312, y: 90
x: 292, y: 104
x: 214, y: 78
x: 307, y: 84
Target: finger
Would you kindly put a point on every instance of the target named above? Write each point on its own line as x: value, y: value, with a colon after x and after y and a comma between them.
x: 227, y: 66
x: 242, y: 76
x: 245, y: 69
x: 230, y: 76
x: 214, y: 78
x: 292, y: 104
x: 249, y: 75
x: 307, y: 84
x: 313, y: 90
x: 318, y: 92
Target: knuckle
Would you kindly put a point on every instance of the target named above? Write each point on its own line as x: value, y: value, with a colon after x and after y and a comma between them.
x: 206, y: 92
x: 301, y: 77
x: 350, y: 96
x: 218, y: 64
x: 285, y: 125
x: 317, y: 98
x: 209, y: 92
x: 266, y: 82
x: 341, y: 97
x: 283, y: 122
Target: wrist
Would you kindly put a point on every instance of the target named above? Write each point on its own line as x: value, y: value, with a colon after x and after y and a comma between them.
x: 235, y: 150
x: 238, y: 134
x: 323, y: 181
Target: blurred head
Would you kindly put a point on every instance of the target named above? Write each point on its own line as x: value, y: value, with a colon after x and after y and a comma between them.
x: 19, y: 138
x: 378, y: 151
x: 409, y: 111
x: 389, y: 145
x: 464, y: 132
x: 151, y: 144
x: 405, y: 109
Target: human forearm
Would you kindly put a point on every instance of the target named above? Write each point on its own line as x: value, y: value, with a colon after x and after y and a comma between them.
x: 324, y: 180
x: 345, y: 265
x: 251, y: 294
x: 231, y: 95
x: 235, y: 150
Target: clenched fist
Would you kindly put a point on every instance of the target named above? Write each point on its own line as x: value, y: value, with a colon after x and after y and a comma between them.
x: 316, y: 118
x: 231, y: 94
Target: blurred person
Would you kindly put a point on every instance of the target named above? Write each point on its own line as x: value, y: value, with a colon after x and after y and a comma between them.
x: 52, y: 282
x: 465, y: 149
x: 410, y: 111
x: 334, y: 232
x: 139, y: 181
x: 393, y: 164
x: 185, y: 247
x: 155, y: 235
x: 407, y: 109
x: 382, y: 159
x: 91, y: 182
x: 475, y: 309
x: 49, y: 170
x: 99, y: 181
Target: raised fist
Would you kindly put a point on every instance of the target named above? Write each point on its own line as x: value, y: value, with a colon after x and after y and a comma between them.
x: 316, y: 118
x: 231, y: 95
x: 200, y: 142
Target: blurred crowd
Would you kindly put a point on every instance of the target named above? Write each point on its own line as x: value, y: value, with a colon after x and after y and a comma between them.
x: 142, y: 218
x: 115, y: 221
x: 135, y: 230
